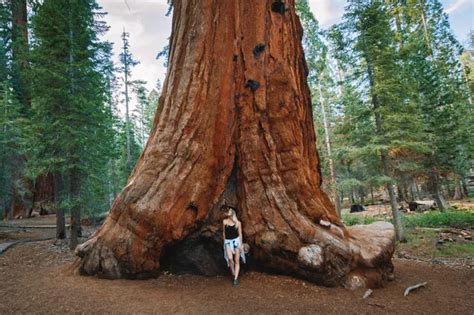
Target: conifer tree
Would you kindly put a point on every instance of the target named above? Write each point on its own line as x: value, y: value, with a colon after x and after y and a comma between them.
x: 375, y: 45
x: 126, y: 64
x: 441, y: 92
x: 138, y: 114
x: 70, y: 118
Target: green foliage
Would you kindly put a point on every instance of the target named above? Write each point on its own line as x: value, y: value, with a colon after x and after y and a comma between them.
x: 434, y: 219
x: 400, y: 90
x: 12, y: 117
x: 350, y: 219
x: 455, y: 219
x: 455, y: 250
x: 144, y: 111
x: 70, y: 128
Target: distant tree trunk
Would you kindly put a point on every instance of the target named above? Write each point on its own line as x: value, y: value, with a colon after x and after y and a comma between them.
x: 434, y: 188
x: 43, y: 195
x: 412, y: 190
x: 126, y: 70
x: 234, y: 125
x: 327, y: 140
x: 445, y: 184
x: 372, y: 195
x: 74, y: 185
x: 459, y: 191
x: 352, y: 197
x: 464, y: 187
x: 383, y: 157
x: 402, y: 190
x: 58, y: 198
x: 418, y: 192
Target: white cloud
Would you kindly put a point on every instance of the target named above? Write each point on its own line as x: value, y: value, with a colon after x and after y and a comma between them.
x: 457, y: 4
x: 149, y: 30
x: 328, y: 12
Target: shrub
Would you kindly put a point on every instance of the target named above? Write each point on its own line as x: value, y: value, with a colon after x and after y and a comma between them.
x: 354, y: 219
x: 455, y: 219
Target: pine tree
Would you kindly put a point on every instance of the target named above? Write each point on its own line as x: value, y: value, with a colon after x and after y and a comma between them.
x: 393, y: 115
x: 152, y: 103
x: 126, y: 64
x: 14, y: 193
x: 70, y: 117
x: 138, y: 114
x: 442, y: 94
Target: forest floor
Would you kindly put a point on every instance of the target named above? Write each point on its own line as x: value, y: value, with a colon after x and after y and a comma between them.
x: 37, y: 277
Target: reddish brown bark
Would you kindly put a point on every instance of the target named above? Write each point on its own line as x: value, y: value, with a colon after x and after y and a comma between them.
x: 43, y: 197
x: 234, y: 125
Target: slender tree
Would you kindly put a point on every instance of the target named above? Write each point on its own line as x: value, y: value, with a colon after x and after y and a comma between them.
x: 126, y: 64
x: 139, y: 113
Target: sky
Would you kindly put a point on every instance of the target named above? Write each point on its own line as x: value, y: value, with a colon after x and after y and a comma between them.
x: 149, y: 28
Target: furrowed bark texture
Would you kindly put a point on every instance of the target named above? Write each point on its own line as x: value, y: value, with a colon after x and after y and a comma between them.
x: 234, y: 125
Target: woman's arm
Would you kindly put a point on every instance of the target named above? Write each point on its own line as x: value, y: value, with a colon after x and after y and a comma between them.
x: 223, y: 231
x: 240, y: 235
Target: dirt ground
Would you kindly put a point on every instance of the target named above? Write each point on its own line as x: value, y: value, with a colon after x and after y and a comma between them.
x: 36, y: 277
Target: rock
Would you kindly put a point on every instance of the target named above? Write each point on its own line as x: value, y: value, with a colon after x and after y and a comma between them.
x: 325, y: 223
x: 355, y: 282
x: 375, y: 240
x: 311, y: 256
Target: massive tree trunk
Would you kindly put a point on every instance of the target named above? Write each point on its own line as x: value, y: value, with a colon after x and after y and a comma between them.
x: 234, y: 125
x: 43, y: 197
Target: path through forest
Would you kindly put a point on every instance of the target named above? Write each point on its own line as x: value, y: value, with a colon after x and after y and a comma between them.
x: 36, y: 277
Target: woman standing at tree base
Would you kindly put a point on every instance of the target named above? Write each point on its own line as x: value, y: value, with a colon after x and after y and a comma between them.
x: 232, y: 236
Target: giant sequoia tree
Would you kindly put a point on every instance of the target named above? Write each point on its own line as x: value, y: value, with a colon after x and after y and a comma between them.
x: 234, y: 125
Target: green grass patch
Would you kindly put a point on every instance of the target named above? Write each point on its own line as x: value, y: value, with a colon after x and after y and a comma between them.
x: 349, y: 219
x: 455, y: 250
x: 417, y: 237
x: 433, y: 219
x: 455, y: 219
x: 423, y: 243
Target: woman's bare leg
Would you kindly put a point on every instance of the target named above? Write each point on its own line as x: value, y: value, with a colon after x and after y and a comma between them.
x: 236, y: 263
x: 230, y: 257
